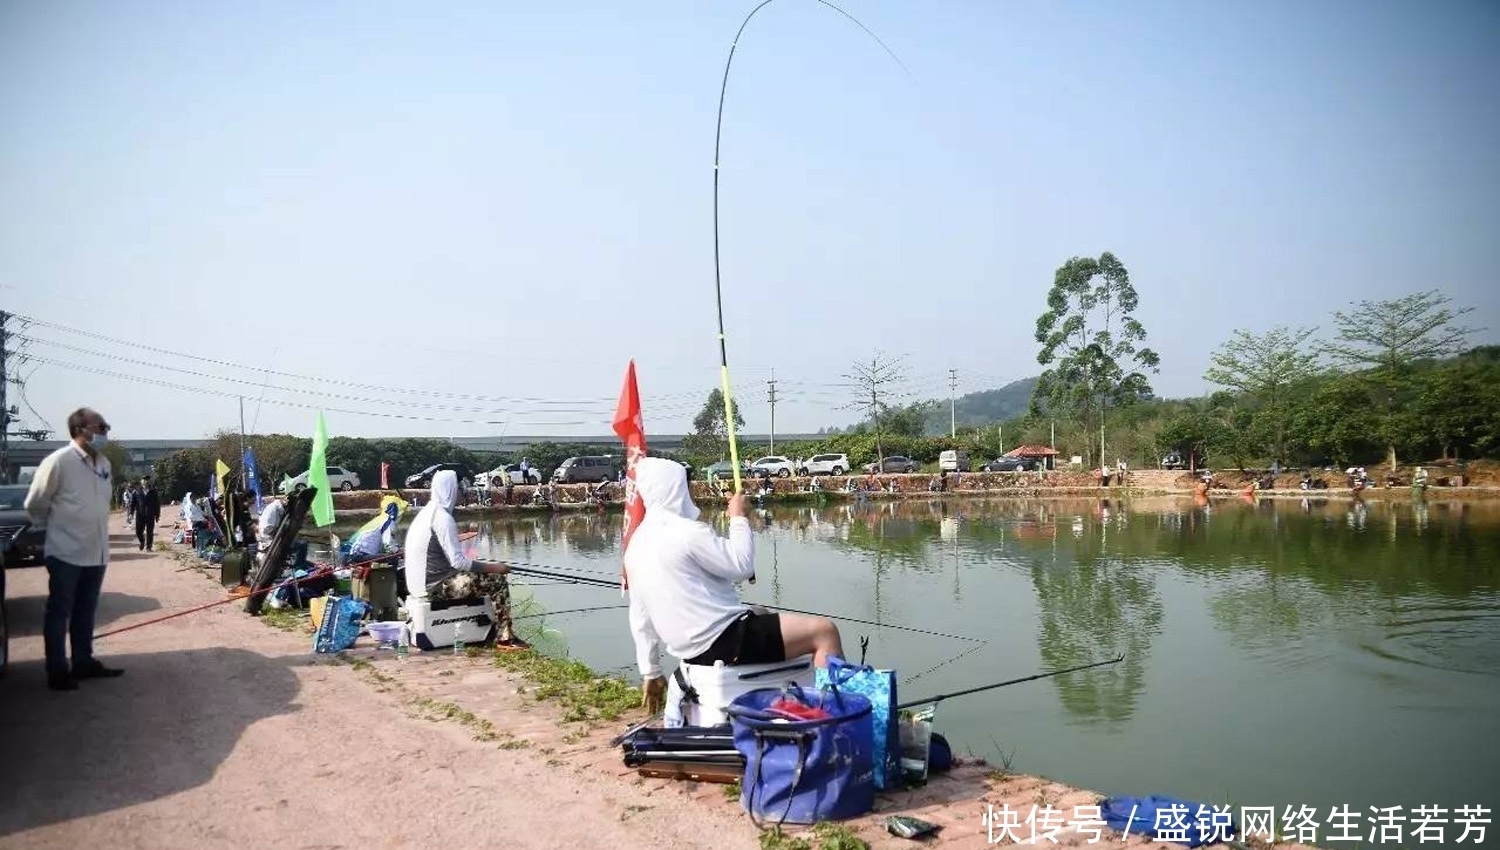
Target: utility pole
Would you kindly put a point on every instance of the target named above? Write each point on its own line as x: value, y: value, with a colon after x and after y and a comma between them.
x: 4, y: 399
x: 772, y: 395
x: 952, y: 404
x: 242, y: 441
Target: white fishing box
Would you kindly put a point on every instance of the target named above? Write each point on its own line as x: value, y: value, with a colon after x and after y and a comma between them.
x: 717, y: 686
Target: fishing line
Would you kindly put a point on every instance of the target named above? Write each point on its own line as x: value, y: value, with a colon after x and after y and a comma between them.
x: 734, y: 450
x: 528, y: 569
x: 570, y: 611
x: 975, y: 648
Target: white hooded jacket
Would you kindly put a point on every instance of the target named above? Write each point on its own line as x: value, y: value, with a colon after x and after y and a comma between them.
x: 433, y: 551
x: 682, y: 575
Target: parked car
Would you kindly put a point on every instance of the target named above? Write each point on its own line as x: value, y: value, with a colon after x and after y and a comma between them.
x: 339, y: 478
x: 953, y: 460
x: 1011, y: 464
x: 826, y: 464
x: 774, y: 465
x: 1173, y: 460
x: 588, y: 468
x: 496, y: 477
x: 894, y: 463
x: 422, y: 480
x: 724, y: 470
x: 22, y: 543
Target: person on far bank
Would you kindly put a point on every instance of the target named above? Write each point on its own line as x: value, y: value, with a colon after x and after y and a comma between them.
x: 147, y: 504
x: 70, y: 497
x: 682, y: 578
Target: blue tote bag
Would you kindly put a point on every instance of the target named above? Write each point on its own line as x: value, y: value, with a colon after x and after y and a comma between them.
x: 879, y: 687
x: 804, y: 771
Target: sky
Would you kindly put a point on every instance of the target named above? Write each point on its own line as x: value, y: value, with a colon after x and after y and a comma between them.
x: 465, y: 219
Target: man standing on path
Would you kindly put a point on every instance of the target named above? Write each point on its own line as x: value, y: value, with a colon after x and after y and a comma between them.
x: 147, y: 513
x: 70, y: 497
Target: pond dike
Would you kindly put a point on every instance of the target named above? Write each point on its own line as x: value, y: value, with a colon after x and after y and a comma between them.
x: 1020, y: 485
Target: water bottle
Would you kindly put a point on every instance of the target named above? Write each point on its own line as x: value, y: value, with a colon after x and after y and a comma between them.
x: 458, y: 645
x: 401, y: 644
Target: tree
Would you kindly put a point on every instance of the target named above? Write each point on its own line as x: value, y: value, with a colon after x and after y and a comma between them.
x: 1388, y: 339
x: 710, y: 429
x: 873, y: 384
x: 1089, y: 338
x: 909, y: 420
x: 1265, y: 367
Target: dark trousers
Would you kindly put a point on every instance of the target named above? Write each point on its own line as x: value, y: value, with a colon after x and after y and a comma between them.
x: 145, y: 530
x: 72, y: 596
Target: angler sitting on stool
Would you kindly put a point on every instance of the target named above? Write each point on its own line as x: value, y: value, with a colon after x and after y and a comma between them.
x: 435, y: 560
x: 682, y: 576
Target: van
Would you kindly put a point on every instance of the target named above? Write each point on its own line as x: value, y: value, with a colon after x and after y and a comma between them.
x: 953, y: 460
x: 586, y: 468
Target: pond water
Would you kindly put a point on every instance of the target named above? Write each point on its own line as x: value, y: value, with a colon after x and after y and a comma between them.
x: 1282, y: 653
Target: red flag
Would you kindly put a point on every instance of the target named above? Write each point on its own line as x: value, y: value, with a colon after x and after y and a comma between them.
x: 629, y: 427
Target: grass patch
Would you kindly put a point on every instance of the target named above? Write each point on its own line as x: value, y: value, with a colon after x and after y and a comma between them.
x: 828, y: 835
x: 287, y: 619
x: 431, y: 709
x: 732, y: 791
x: 836, y: 836
x: 587, y: 698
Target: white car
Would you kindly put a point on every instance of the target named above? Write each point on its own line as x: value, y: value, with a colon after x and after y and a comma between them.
x: 827, y: 464
x: 339, y: 478
x: 496, y: 477
x: 774, y: 465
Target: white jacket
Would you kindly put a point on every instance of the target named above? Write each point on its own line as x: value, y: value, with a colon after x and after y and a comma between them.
x: 682, y: 575
x: 70, y: 497
x: 433, y: 551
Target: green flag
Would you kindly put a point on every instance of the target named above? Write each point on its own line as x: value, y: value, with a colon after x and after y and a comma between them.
x: 317, y: 476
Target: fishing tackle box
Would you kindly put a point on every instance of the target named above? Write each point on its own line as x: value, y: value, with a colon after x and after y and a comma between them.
x: 697, y: 695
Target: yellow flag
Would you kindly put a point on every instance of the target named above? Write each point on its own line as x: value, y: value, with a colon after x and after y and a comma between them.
x: 221, y: 471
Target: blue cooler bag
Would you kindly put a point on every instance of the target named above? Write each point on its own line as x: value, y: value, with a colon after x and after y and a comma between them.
x: 879, y: 687
x: 804, y: 771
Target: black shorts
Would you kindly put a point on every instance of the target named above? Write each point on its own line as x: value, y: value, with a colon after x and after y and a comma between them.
x: 751, y: 639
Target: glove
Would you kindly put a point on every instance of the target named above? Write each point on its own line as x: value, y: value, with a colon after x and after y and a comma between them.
x: 654, y: 695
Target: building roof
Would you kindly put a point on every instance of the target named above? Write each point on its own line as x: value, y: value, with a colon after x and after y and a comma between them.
x: 1031, y: 451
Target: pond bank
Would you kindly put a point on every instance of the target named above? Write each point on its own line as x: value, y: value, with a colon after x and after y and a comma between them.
x: 550, y: 721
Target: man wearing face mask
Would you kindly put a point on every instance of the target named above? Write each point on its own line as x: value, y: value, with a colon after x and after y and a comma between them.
x: 70, y: 497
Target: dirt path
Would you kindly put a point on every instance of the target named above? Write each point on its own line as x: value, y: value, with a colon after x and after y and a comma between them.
x: 224, y: 732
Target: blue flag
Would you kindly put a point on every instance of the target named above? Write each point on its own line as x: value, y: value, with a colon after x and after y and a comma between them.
x: 252, y: 478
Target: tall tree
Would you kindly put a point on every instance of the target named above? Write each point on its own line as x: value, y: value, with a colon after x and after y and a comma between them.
x: 874, y: 386
x: 1092, y: 343
x: 1388, y: 339
x: 710, y: 429
x: 1266, y: 367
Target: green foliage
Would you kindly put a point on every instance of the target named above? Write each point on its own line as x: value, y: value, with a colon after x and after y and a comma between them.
x: 1091, y: 342
x: 711, y: 430
x: 1388, y: 339
x: 1263, y: 369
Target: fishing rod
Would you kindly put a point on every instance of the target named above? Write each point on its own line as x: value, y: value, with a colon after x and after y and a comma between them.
x: 534, y: 570
x: 734, y: 451
x: 940, y: 697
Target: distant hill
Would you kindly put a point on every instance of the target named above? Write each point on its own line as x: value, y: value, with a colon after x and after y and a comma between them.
x: 983, y: 407
x: 1000, y: 405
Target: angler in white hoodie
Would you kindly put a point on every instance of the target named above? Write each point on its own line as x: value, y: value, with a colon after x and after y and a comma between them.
x: 435, y: 560
x: 682, y: 580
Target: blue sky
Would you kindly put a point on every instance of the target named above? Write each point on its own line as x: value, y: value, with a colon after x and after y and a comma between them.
x: 511, y: 200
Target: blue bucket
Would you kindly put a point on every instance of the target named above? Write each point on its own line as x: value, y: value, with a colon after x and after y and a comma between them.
x: 805, y: 771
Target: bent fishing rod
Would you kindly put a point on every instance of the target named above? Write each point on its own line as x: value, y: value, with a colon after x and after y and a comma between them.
x: 940, y: 697
x: 734, y: 451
